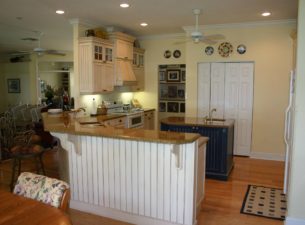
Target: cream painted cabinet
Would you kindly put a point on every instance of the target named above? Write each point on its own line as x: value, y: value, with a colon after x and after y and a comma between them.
x: 138, y: 68
x: 228, y: 87
x: 96, y: 67
x: 149, y: 120
x: 124, y: 49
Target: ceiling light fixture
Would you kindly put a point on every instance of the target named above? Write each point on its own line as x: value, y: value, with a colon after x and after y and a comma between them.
x: 59, y: 11
x: 124, y: 5
x: 266, y: 13
x: 143, y: 24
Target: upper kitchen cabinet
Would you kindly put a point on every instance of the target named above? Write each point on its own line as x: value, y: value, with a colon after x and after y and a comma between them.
x: 138, y: 68
x: 96, y: 65
x: 123, y: 52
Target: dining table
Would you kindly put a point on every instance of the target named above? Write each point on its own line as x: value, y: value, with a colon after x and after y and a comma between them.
x: 17, y: 210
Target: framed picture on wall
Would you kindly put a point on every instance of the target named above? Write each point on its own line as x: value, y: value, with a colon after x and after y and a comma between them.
x: 13, y: 85
x: 172, y: 91
x: 181, y: 93
x: 162, y: 107
x: 182, y: 107
x: 183, y: 75
x: 172, y: 107
x: 173, y: 75
x: 163, y: 92
x: 162, y: 75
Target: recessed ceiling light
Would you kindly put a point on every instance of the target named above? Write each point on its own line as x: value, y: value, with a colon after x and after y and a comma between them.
x: 59, y: 11
x: 266, y: 13
x: 124, y: 5
x: 143, y: 24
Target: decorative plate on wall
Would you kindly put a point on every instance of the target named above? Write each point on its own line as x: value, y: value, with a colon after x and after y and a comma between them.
x: 167, y: 54
x: 177, y: 54
x: 241, y: 49
x: 225, y: 49
x: 209, y: 50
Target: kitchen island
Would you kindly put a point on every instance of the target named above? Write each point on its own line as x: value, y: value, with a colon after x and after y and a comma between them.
x: 219, y: 153
x: 134, y: 175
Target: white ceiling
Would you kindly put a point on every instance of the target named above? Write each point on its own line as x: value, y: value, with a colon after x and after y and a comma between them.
x: 163, y: 17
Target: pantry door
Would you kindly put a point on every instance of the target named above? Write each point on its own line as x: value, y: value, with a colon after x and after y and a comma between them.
x: 204, y: 84
x: 239, y: 103
x: 217, y: 89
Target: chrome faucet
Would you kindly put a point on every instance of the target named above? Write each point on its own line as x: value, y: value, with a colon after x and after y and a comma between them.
x: 211, y: 114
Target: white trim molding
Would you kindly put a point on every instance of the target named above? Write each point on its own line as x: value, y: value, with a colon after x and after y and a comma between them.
x: 189, y: 29
x: 267, y: 156
x: 294, y: 221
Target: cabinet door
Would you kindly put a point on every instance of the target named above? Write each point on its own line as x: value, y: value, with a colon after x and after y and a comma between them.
x: 204, y: 77
x: 139, y: 73
x: 216, y: 155
x: 124, y: 49
x: 85, y: 68
x: 149, y: 120
x: 217, y: 89
x: 98, y: 70
x: 108, y: 77
x: 98, y: 53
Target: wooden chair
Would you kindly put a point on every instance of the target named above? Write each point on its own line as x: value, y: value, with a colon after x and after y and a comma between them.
x: 20, y: 146
x: 50, y: 191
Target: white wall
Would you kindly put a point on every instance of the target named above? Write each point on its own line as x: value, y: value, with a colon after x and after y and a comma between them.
x: 296, y: 203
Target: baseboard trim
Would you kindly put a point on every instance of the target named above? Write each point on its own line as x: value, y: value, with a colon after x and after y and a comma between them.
x: 294, y: 221
x: 267, y: 156
x: 119, y: 215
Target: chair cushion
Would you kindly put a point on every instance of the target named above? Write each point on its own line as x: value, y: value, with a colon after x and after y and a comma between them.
x: 44, y: 189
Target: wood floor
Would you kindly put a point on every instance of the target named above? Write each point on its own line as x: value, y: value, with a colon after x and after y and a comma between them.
x: 222, y: 202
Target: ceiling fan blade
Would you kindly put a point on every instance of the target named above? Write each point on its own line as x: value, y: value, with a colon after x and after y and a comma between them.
x: 208, y: 41
x: 20, y: 53
x: 54, y: 52
x: 215, y: 37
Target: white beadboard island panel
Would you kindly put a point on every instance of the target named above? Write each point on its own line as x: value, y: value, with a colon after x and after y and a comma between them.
x: 135, y: 181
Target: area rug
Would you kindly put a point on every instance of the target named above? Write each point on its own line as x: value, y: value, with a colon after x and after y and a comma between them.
x: 264, y: 201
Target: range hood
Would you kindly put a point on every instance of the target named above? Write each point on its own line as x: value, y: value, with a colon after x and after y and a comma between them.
x: 124, y: 73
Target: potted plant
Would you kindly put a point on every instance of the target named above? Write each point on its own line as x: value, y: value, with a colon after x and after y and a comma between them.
x: 49, y: 94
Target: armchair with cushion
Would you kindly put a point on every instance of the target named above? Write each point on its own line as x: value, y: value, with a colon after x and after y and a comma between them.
x: 50, y: 191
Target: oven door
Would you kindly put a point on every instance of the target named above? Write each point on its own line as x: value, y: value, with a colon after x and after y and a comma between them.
x: 136, y: 120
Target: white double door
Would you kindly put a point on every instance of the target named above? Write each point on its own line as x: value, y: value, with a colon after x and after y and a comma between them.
x: 228, y: 87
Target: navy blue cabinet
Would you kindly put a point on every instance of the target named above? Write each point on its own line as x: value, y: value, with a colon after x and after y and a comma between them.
x: 219, y: 154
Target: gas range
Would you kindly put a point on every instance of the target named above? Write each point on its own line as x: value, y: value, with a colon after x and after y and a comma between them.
x: 135, y: 116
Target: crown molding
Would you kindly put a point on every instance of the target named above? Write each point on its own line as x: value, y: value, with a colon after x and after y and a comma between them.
x: 189, y: 29
x: 83, y: 22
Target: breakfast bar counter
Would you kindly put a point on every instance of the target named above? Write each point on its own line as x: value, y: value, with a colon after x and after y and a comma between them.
x: 134, y: 175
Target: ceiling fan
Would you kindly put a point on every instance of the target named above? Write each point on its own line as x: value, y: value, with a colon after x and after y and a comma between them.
x: 38, y: 50
x: 197, y: 36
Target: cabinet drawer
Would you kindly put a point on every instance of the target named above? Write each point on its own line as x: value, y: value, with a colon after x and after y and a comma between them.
x: 119, y: 122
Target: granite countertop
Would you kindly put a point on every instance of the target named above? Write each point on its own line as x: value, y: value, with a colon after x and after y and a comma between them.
x: 55, y: 123
x: 148, y: 109
x: 195, y: 121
